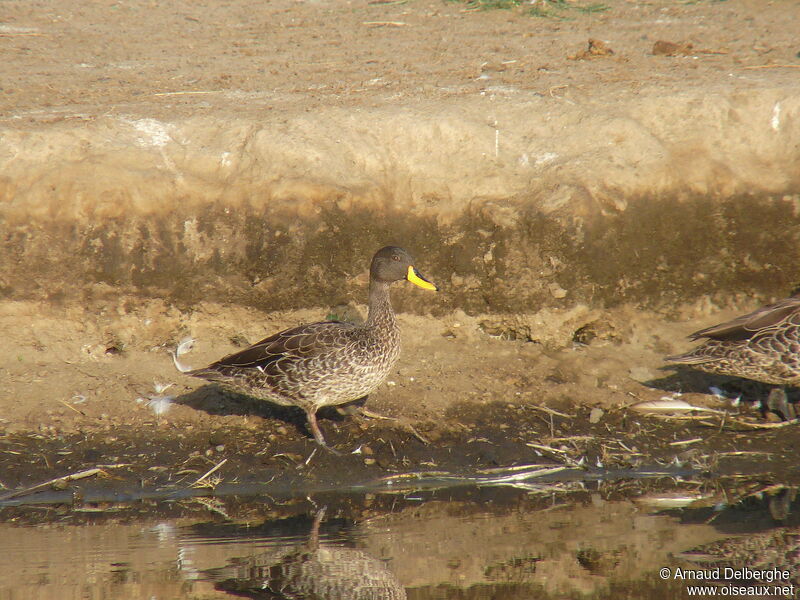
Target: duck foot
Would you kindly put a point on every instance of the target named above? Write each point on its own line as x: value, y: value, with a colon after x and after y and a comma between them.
x: 357, y: 409
x: 778, y: 402
x: 365, y: 412
x: 368, y: 414
x: 353, y: 408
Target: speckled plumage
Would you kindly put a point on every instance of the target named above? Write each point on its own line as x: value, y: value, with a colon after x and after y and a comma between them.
x: 327, y: 363
x: 777, y: 548
x: 312, y: 571
x: 763, y: 345
x: 323, y: 573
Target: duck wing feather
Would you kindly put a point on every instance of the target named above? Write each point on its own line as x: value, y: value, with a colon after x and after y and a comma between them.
x: 276, y: 354
x: 766, y: 318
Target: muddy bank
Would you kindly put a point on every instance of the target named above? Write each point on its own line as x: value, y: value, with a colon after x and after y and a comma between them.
x: 250, y: 446
x: 84, y: 389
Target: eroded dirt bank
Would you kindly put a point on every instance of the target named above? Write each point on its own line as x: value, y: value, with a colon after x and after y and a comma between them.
x: 651, y: 202
x: 521, y: 175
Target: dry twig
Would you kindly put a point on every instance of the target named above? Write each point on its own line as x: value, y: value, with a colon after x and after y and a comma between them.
x: 764, y: 425
x: 384, y: 23
x: 546, y: 448
x: 64, y: 479
x: 417, y: 434
x: 201, y: 481
x: 686, y: 442
x: 550, y: 411
x: 68, y: 405
x: 772, y: 67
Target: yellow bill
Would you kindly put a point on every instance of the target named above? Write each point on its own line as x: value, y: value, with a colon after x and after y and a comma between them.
x: 414, y: 277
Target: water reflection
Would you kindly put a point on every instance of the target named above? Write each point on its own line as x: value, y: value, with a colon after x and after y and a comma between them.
x: 760, y: 552
x: 600, y: 541
x: 313, y: 571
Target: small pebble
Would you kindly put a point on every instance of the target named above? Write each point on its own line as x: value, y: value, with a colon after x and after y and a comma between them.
x: 557, y: 291
x: 641, y: 374
x: 369, y: 461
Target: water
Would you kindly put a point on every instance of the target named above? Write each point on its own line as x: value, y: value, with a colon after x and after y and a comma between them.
x: 515, y: 540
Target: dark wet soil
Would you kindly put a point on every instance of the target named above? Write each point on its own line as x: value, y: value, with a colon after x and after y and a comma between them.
x: 279, y: 458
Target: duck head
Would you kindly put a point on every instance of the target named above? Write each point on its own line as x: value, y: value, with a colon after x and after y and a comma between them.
x: 392, y: 264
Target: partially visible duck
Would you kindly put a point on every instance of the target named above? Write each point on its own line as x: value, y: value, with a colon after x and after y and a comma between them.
x: 763, y: 345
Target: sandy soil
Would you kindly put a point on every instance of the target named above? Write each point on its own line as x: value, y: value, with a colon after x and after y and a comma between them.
x: 90, y: 90
x: 77, y: 61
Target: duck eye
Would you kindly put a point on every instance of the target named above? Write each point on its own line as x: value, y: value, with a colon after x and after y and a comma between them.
x: 395, y: 257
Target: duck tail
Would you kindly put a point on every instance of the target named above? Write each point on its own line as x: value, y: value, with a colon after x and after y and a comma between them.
x: 688, y: 358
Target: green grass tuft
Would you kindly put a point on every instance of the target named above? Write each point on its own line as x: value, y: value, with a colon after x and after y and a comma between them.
x: 491, y: 4
x: 552, y: 9
x: 557, y: 9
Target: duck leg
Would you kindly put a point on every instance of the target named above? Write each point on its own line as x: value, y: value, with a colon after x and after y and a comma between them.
x: 311, y: 414
x: 313, y: 538
x: 779, y: 403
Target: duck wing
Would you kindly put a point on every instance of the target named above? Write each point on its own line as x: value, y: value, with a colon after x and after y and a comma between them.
x: 276, y: 354
x: 769, y: 317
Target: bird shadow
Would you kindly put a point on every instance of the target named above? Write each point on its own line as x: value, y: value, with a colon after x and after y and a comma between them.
x: 214, y: 400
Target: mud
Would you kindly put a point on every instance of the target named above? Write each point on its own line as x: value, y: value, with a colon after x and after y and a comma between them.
x: 468, y: 393
x: 257, y: 446
x: 235, y: 184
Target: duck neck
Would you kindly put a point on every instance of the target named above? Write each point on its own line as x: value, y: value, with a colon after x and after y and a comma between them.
x: 380, y: 307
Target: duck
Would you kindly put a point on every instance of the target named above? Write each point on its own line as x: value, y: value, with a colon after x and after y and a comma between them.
x: 328, y: 363
x: 763, y: 346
